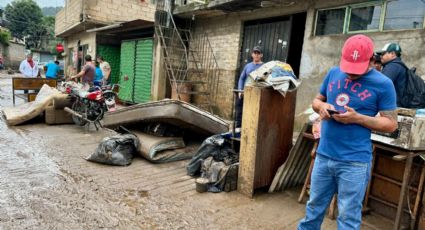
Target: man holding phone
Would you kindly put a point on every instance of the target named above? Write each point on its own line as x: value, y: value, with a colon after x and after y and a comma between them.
x: 350, y: 97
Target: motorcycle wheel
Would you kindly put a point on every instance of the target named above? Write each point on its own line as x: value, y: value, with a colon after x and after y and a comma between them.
x: 98, y: 115
x: 80, y: 108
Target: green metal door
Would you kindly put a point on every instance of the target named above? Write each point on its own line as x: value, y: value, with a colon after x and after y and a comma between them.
x: 143, y: 71
x: 111, y: 54
x: 127, y: 71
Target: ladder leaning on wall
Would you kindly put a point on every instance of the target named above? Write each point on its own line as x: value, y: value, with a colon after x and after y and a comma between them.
x: 189, y: 61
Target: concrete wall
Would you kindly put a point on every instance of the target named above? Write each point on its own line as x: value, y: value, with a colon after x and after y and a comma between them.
x: 318, y: 55
x: 12, y: 54
x: 85, y: 39
x: 68, y: 16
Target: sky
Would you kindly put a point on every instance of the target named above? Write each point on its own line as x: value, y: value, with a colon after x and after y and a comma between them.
x: 41, y: 3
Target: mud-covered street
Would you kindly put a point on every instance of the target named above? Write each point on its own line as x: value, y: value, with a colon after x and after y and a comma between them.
x: 45, y: 183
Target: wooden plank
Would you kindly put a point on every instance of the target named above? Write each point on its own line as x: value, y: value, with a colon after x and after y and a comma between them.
x: 23, y: 83
x: 267, y: 127
x: 386, y: 166
x: 31, y: 96
x: 403, y: 193
x: 388, y: 191
x: 249, y: 136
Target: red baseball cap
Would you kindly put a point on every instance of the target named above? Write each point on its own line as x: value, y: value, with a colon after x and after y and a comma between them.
x: 356, y: 54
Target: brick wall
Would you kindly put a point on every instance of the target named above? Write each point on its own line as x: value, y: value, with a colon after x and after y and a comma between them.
x: 224, y: 36
x: 103, y: 11
x: 120, y: 10
x: 318, y: 54
x: 68, y: 16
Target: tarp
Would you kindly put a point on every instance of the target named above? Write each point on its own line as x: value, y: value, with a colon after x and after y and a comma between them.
x: 215, y: 146
x: 25, y: 112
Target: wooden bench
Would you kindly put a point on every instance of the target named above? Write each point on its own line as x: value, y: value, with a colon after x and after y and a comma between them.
x: 23, y: 83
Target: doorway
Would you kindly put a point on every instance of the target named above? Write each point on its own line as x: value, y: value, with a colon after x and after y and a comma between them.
x: 280, y: 38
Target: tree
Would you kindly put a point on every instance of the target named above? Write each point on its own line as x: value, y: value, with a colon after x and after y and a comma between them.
x: 5, y: 37
x: 25, y: 19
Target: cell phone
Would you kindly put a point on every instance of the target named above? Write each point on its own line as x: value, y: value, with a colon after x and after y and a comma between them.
x: 332, y: 112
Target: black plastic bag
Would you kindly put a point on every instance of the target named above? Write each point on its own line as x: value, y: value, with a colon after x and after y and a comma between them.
x: 116, y: 150
x: 215, y: 146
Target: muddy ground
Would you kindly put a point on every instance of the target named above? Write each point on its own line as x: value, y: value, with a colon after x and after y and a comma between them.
x: 45, y: 183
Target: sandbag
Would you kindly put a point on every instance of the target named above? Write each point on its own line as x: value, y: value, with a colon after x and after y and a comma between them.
x: 25, y: 112
x: 164, y: 149
x: 116, y: 150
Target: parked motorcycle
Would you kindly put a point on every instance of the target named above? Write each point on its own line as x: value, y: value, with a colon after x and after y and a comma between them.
x: 90, y: 106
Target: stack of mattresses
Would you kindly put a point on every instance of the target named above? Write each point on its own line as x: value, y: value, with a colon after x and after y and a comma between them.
x: 55, y: 113
x: 27, y: 111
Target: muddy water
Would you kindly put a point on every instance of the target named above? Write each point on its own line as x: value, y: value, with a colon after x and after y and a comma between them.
x: 25, y: 168
x: 40, y: 188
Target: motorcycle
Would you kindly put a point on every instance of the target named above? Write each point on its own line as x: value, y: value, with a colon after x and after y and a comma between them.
x: 90, y: 106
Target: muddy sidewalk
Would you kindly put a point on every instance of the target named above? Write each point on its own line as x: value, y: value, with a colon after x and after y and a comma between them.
x: 45, y: 183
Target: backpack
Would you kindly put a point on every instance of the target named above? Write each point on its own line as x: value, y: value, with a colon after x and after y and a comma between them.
x: 414, y: 93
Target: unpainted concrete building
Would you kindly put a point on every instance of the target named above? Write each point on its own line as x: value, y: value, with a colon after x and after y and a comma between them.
x: 76, y: 20
x: 308, y: 34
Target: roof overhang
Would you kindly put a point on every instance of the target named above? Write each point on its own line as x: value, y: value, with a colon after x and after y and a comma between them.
x: 79, y: 27
x: 221, y: 7
x: 123, y: 27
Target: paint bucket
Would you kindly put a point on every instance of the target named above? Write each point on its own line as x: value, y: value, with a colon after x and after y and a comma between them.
x: 201, y: 184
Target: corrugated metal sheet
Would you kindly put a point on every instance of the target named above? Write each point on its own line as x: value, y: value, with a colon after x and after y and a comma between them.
x: 127, y: 70
x: 143, y: 71
x: 294, y: 171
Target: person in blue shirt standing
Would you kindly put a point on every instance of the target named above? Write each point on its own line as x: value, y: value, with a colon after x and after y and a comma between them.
x: 257, y: 55
x: 98, y: 76
x: 52, y: 70
x: 357, y: 93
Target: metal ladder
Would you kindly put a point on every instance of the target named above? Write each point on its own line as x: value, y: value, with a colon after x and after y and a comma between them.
x: 188, y: 60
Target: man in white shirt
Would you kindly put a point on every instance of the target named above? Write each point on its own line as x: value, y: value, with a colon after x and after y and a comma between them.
x: 29, y: 67
x: 106, y: 70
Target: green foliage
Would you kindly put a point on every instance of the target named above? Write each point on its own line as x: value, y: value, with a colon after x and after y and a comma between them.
x: 5, y: 37
x: 49, y: 23
x: 26, y: 21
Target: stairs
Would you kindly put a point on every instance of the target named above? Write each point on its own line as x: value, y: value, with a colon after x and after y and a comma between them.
x: 189, y: 61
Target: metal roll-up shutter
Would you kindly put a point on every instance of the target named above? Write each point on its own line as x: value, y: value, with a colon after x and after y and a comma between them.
x: 143, y: 71
x: 127, y: 70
